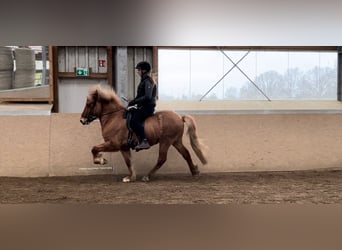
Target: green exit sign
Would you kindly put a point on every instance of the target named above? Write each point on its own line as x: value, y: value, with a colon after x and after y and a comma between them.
x: 82, y: 72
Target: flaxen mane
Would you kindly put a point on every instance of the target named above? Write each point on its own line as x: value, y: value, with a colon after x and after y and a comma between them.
x: 107, y: 94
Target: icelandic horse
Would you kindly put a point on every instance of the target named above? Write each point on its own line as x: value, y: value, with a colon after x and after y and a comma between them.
x: 164, y: 127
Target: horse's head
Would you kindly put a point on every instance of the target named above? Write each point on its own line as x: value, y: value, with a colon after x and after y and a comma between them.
x: 93, y: 107
x: 100, y: 102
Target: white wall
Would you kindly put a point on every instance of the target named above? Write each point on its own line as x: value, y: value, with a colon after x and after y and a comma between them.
x: 72, y: 93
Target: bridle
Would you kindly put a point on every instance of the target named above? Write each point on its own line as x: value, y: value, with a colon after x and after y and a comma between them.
x: 91, y: 117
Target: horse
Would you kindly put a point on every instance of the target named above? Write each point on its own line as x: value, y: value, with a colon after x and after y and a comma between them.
x: 164, y: 127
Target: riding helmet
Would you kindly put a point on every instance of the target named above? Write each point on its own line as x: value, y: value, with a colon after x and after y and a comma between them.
x: 144, y: 66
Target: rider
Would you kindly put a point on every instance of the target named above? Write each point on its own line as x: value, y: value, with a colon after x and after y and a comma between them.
x: 146, y: 102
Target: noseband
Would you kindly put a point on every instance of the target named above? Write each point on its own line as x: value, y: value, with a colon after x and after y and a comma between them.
x: 90, y: 116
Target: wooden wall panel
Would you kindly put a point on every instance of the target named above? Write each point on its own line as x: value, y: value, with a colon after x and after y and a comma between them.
x: 72, y: 57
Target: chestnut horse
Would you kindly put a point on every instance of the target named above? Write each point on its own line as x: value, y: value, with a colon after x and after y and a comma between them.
x: 164, y: 127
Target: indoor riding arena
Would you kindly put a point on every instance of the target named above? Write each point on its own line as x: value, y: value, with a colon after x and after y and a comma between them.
x: 268, y: 119
x: 243, y: 108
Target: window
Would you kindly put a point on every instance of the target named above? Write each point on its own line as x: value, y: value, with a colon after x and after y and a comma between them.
x: 24, y: 73
x: 242, y: 75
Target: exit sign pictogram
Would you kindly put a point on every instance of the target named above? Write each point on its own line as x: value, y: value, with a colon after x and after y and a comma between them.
x: 82, y: 72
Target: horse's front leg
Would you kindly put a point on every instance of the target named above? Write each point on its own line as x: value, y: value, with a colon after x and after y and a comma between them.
x: 97, y: 157
x: 127, y: 157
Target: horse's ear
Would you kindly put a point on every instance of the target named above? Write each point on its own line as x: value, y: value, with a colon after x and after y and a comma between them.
x: 95, y: 95
x: 99, y: 94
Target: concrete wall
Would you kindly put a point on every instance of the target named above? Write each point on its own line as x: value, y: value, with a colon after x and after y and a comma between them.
x: 58, y: 144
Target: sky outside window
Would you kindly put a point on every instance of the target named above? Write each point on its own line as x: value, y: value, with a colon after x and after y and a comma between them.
x: 188, y: 74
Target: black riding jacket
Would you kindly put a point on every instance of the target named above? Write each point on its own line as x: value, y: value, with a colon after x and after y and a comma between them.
x: 146, y: 93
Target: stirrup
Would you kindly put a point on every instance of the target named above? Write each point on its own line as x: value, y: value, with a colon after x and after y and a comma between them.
x: 142, y: 145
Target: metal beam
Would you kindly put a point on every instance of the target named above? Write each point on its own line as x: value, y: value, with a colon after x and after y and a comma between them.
x: 339, y: 73
x: 234, y: 65
x: 249, y: 79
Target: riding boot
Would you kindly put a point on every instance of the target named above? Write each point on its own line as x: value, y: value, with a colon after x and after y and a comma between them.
x: 142, y: 145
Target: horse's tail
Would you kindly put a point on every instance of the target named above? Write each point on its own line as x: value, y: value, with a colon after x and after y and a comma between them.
x: 194, y: 141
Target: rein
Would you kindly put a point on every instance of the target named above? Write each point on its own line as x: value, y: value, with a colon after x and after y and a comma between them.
x: 111, y: 112
x: 91, y: 118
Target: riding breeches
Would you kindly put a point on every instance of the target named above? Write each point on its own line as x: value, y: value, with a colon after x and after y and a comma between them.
x: 137, y: 121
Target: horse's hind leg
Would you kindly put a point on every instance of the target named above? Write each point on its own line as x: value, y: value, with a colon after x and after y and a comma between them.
x: 186, y: 155
x: 163, y: 148
x: 132, y: 175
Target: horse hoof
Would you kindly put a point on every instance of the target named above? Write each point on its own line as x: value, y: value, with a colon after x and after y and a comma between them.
x: 195, y: 171
x: 100, y: 161
x: 145, y: 179
x: 128, y: 179
x: 103, y: 161
x: 196, y: 177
